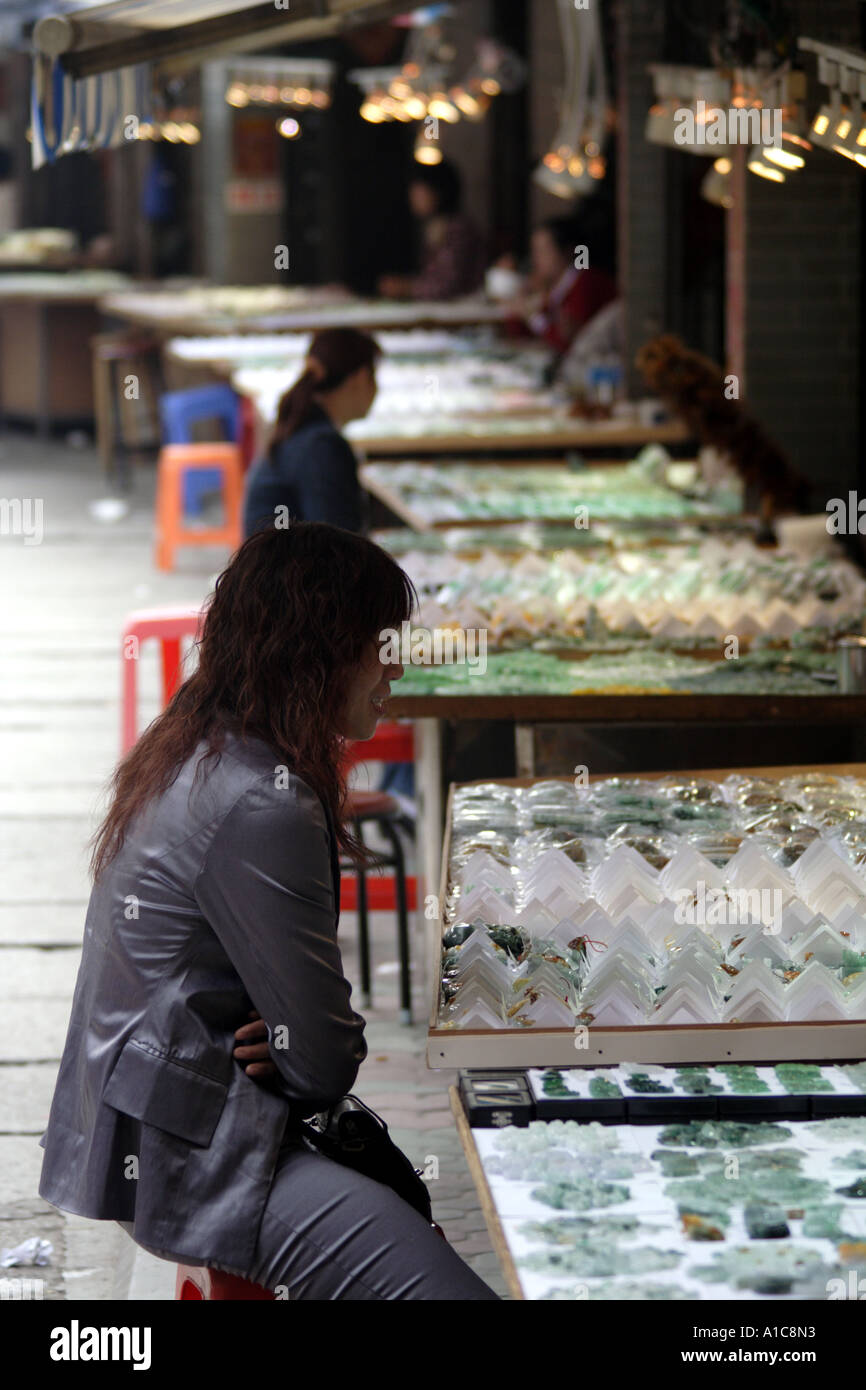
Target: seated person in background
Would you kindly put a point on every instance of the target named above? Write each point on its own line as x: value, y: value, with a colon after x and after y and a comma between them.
x: 454, y: 258
x: 602, y: 340
x: 566, y: 296
x: 310, y: 467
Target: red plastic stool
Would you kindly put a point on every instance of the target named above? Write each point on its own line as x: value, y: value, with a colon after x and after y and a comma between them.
x: 168, y: 626
x: 248, y: 436
x: 392, y: 743
x: 196, y: 1283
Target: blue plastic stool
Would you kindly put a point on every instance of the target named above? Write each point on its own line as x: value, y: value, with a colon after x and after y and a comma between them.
x: 179, y: 412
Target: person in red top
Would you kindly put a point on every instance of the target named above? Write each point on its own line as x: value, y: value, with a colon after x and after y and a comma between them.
x: 572, y: 283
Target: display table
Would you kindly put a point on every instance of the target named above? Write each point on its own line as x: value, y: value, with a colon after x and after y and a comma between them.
x: 547, y: 729
x: 204, y: 309
x: 720, y: 1200
x: 426, y: 497
x: 46, y: 324
x: 552, y: 432
x: 604, y: 1025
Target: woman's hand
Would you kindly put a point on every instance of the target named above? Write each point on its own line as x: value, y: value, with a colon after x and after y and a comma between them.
x: 254, y: 1054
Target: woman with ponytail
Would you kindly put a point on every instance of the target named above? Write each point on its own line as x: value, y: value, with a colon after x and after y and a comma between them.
x: 309, y: 472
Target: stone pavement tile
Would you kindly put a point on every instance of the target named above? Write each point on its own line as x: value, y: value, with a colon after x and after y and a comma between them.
x: 152, y: 1280
x: 476, y: 1244
x: 97, y: 1264
x: 488, y: 1268
x: 33, y: 803
x: 48, y: 866
x: 38, y: 974
x: 442, y: 1213
x: 473, y: 1220
x: 25, y: 1097
x: 20, y: 1166
x: 429, y: 1123
x: 27, y: 1038
x: 14, y: 1230
x: 404, y: 1091
x: 42, y: 924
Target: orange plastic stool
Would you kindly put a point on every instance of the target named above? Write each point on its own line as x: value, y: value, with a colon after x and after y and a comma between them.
x: 174, y: 461
x: 168, y: 626
x: 195, y: 1283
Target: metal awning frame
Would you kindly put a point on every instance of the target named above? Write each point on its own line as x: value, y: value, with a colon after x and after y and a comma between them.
x: 85, y: 47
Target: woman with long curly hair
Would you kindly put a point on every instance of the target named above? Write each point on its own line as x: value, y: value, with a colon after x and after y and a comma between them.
x: 216, y: 898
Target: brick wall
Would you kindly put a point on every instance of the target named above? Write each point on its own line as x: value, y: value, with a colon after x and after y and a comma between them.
x: 803, y: 270
x: 546, y: 82
x: 797, y: 272
x: 642, y: 175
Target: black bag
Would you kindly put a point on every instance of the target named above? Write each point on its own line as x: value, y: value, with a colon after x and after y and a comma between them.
x: 354, y: 1135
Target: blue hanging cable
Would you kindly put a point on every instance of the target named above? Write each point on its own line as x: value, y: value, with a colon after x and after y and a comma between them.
x: 40, y: 138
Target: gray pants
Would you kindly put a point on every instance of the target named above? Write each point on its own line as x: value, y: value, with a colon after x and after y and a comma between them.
x: 328, y: 1232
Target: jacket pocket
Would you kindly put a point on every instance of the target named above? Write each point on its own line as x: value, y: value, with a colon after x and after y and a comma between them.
x: 166, y: 1094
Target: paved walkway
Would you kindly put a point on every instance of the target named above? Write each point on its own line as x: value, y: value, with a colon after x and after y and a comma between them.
x: 62, y: 603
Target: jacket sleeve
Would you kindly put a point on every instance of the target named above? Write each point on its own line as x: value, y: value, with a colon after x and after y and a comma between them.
x: 266, y: 889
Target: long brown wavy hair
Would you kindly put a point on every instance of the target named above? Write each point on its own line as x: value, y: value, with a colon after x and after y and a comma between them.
x: 333, y: 355
x: 289, y: 619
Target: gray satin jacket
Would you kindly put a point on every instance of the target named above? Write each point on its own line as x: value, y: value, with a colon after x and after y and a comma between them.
x: 224, y: 898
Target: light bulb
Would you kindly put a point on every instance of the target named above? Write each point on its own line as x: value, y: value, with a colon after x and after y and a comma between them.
x: 765, y: 171
x: 786, y: 159
x: 428, y: 152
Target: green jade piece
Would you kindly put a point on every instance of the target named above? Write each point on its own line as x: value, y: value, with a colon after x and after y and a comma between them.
x: 696, y: 1082
x: 600, y: 1088
x: 582, y: 1196
x: 823, y: 1222
x: 713, y: 1134
x: 645, y: 1085
x: 743, y: 1081
x: 593, y: 1263
x: 856, y: 1158
x: 565, y: 1230
x: 770, y: 1270
x: 675, y: 1163
x: 802, y: 1078
x: 790, y: 1189
x: 765, y: 1221
x: 618, y: 1290
x: 856, y: 1074
x: 553, y: 1084
x: 856, y: 1189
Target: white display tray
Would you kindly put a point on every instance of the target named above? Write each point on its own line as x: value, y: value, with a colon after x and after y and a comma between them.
x: 711, y: 1042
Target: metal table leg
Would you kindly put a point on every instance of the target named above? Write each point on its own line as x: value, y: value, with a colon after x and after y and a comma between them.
x: 428, y: 793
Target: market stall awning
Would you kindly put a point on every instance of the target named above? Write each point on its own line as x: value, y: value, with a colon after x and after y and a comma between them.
x: 96, y: 38
x: 91, y: 61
